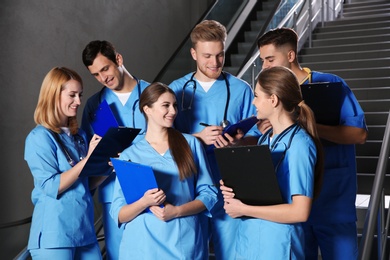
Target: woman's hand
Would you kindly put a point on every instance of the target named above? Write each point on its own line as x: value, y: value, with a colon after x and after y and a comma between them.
x: 227, y: 192
x: 165, y: 213
x: 153, y: 197
x: 232, y: 206
x: 227, y: 140
x: 93, y: 143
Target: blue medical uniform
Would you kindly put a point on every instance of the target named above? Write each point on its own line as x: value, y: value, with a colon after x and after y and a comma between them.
x: 127, y: 115
x: 208, y: 107
x: 65, y: 220
x: 261, y: 239
x: 146, y: 236
x: 336, y: 202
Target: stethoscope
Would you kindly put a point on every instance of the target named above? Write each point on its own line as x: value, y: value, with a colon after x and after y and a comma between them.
x: 79, y: 145
x: 224, y: 123
x: 294, y: 127
x: 100, y: 99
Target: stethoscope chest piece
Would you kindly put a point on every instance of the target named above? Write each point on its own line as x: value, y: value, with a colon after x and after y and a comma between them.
x: 224, y: 123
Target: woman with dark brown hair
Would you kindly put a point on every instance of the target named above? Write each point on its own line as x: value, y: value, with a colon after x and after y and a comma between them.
x: 171, y: 228
x: 276, y: 232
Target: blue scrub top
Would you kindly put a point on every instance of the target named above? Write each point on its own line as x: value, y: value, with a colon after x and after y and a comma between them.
x: 64, y: 220
x: 127, y: 115
x: 208, y: 107
x: 262, y: 239
x: 336, y: 202
x: 146, y: 236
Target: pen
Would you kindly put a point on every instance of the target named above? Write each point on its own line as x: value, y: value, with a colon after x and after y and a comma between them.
x: 204, y: 124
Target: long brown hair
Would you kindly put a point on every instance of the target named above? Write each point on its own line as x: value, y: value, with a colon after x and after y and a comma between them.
x: 282, y: 82
x: 178, y: 145
x: 47, y: 112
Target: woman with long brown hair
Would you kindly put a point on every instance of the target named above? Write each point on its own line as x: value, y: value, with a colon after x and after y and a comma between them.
x: 275, y: 232
x: 170, y: 229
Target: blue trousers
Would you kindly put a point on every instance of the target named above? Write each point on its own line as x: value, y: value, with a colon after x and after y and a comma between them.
x: 335, y: 241
x: 89, y: 252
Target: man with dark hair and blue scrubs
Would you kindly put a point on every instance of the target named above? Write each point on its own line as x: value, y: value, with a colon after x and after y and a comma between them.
x: 332, y: 222
x: 121, y: 90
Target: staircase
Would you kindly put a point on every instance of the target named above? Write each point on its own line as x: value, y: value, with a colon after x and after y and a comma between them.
x: 245, y: 42
x: 356, y: 47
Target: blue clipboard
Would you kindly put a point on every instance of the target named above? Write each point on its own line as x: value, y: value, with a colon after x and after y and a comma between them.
x: 103, y: 119
x: 135, y: 179
x: 244, y: 125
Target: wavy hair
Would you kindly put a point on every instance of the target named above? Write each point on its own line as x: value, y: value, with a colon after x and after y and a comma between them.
x: 47, y: 111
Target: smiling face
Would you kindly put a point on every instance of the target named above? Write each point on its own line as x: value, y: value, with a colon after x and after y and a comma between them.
x: 263, y: 103
x: 273, y: 56
x: 107, y: 72
x: 163, y: 111
x: 209, y: 57
x: 70, y: 100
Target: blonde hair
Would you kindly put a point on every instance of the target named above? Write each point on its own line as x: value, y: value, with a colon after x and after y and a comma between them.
x: 47, y: 111
x: 208, y: 31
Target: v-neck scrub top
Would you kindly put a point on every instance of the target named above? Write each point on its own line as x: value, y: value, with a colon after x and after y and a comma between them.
x: 65, y: 220
x: 146, y: 236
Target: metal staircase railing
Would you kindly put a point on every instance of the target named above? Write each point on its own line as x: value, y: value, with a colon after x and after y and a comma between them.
x: 376, y: 207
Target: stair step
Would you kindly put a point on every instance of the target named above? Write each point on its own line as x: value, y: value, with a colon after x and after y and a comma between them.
x: 351, y: 64
x: 370, y: 54
x: 370, y: 148
x: 358, y: 20
x: 354, y: 47
x: 368, y: 164
x: 368, y: 82
x: 376, y: 118
x: 365, y: 182
x: 362, y: 72
x: 372, y: 93
x: 374, y: 106
x: 384, y: 10
x: 360, y: 3
x: 363, y: 7
x: 353, y: 26
x: 351, y: 40
x: 351, y: 33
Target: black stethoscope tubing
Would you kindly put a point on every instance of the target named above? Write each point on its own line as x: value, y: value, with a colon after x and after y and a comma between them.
x: 225, y: 122
x: 137, y: 101
x: 294, y: 127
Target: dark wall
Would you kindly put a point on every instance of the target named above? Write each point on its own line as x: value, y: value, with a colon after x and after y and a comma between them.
x: 38, y: 35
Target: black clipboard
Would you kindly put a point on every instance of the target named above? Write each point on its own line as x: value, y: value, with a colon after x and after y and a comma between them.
x: 244, y: 125
x: 113, y: 142
x: 325, y: 99
x: 135, y: 179
x: 103, y: 119
x: 249, y: 170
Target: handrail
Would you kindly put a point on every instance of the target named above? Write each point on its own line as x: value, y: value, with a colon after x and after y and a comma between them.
x: 249, y: 55
x: 16, y: 223
x: 24, y: 254
x: 373, y: 206
x: 251, y: 60
x: 310, y: 23
x: 163, y: 70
